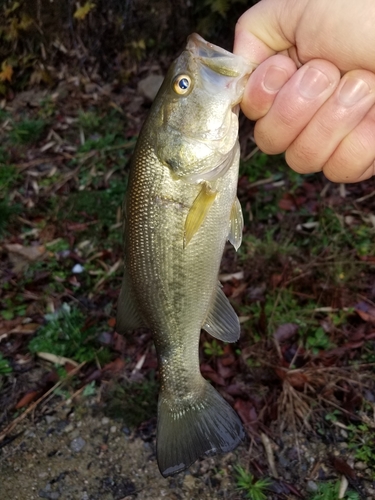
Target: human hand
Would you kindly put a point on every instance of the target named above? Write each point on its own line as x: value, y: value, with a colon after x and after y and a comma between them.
x: 314, y: 99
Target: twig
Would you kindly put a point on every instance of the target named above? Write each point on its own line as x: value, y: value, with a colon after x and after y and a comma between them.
x: 269, y: 453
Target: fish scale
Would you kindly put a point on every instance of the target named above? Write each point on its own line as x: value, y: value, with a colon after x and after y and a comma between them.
x: 180, y: 209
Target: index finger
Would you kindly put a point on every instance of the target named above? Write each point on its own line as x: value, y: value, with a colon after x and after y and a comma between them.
x: 259, y: 34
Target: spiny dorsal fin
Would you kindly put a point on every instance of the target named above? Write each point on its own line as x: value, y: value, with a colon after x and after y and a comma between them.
x: 198, y: 211
x: 222, y: 321
x: 236, y: 225
x: 128, y: 316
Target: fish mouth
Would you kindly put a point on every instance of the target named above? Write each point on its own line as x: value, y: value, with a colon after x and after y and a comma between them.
x: 219, y: 60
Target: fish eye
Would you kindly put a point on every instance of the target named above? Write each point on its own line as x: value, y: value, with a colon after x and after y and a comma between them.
x: 181, y: 84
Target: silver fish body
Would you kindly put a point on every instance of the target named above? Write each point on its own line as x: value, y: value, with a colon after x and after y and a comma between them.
x: 180, y: 209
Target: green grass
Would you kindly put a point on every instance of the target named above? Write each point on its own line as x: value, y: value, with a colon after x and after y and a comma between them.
x: 27, y: 131
x: 213, y: 349
x: 7, y: 213
x: 5, y: 367
x: 65, y: 334
x: 330, y: 491
x: 101, y: 204
x: 362, y: 441
x: 253, y: 489
x: 132, y: 402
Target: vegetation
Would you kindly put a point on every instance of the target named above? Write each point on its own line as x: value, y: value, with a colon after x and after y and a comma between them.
x: 253, y: 489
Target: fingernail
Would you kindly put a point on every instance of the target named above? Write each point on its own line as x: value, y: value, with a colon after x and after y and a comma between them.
x: 275, y: 78
x: 313, y: 83
x: 353, y: 91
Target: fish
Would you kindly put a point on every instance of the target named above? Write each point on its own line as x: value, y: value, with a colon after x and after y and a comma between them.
x: 180, y: 208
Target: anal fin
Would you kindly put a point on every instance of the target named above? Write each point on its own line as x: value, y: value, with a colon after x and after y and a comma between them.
x: 128, y: 315
x: 222, y: 321
x: 198, y: 211
x: 236, y: 225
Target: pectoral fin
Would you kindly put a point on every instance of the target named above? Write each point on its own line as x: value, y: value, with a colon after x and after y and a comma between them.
x: 198, y: 211
x: 222, y: 321
x: 236, y: 225
x: 128, y: 315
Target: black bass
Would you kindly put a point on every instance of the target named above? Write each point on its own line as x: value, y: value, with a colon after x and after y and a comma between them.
x: 179, y: 211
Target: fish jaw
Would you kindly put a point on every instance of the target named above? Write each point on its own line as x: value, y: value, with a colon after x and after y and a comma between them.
x: 198, y: 129
x: 222, y: 63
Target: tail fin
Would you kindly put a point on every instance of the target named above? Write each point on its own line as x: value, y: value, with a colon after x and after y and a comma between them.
x: 208, y: 426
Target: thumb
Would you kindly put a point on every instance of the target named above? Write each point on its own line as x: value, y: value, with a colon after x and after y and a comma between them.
x: 268, y: 27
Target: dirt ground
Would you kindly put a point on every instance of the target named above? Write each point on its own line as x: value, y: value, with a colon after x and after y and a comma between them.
x: 77, y: 453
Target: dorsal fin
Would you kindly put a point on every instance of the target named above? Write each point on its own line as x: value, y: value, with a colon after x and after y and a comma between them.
x: 128, y: 315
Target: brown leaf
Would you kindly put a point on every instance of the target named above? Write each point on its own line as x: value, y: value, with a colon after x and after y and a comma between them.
x: 365, y: 311
x: 111, y: 322
x: 116, y: 366
x: 342, y: 467
x: 287, y: 202
x: 297, y: 379
x: 31, y: 253
x: 368, y: 315
x: 228, y: 358
x: 226, y: 371
x: 209, y: 372
x: 6, y: 72
x: 27, y: 399
x: 118, y: 342
x: 246, y: 411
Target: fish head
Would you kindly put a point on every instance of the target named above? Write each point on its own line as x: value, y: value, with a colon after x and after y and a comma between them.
x: 195, y: 114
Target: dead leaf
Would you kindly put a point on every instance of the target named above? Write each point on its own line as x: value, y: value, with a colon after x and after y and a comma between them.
x: 6, y: 72
x: 225, y: 371
x: 287, y: 202
x: 228, y: 358
x: 82, y: 12
x: 58, y: 360
x: 20, y: 256
x: 116, y: 366
x: 31, y: 252
x: 246, y: 411
x: 111, y: 322
x: 209, y: 372
x: 342, y: 467
x: 27, y: 399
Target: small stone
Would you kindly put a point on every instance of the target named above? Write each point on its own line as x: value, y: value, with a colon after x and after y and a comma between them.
x: 50, y: 419
x: 105, y: 421
x: 77, y: 269
x: 113, y: 429
x: 149, y: 86
x: 343, y: 433
x: 311, y: 486
x: 69, y: 428
x: 77, y: 444
x: 189, y: 482
x: 360, y: 465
